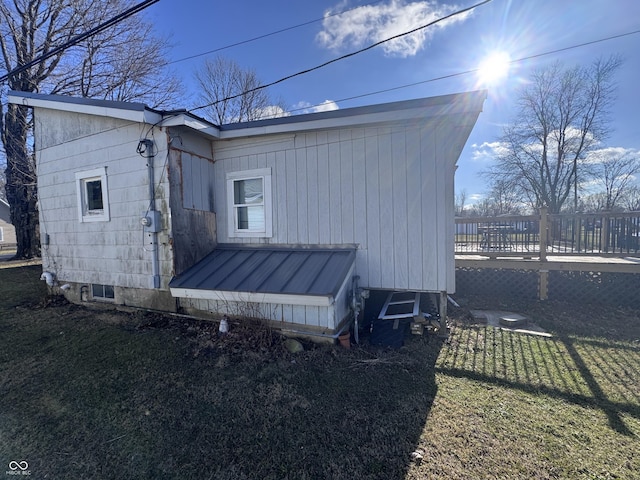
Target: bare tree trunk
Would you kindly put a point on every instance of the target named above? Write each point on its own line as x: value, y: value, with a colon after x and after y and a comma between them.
x: 125, y: 62
x: 21, y: 183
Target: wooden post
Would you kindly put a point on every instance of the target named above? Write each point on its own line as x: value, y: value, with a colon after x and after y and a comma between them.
x: 604, y: 231
x: 443, y: 331
x: 543, y: 280
x: 544, y: 284
x: 544, y: 231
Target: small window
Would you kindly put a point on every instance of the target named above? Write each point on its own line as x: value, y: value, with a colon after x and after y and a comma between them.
x: 93, y: 198
x: 249, y: 195
x: 102, y: 291
x: 1, y: 235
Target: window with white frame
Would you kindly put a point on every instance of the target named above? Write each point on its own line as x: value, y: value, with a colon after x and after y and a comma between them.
x: 93, y: 195
x: 103, y: 292
x: 249, y: 203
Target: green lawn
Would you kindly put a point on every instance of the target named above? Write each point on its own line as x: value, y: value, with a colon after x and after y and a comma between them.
x: 99, y: 394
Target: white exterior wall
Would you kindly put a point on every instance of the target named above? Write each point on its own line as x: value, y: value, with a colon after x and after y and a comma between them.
x: 116, y: 252
x: 301, y: 317
x: 387, y: 189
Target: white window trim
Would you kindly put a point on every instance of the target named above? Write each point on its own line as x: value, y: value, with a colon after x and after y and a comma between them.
x: 234, y: 232
x: 102, y: 298
x: 81, y: 179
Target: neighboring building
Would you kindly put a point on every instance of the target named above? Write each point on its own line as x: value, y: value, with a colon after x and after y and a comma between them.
x: 7, y: 230
x: 271, y: 218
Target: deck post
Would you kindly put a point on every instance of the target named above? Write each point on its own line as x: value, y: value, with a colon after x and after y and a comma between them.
x: 443, y: 331
x: 544, y: 284
x: 604, y: 232
x: 544, y: 233
x: 543, y: 274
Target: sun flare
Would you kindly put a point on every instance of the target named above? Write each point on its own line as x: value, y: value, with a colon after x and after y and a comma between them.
x: 493, y: 68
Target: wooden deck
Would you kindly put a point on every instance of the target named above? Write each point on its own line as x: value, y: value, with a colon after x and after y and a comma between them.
x: 567, y: 263
x: 575, y: 263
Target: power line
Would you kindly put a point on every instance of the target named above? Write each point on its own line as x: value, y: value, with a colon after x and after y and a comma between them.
x: 348, y: 55
x: 83, y: 36
x: 474, y: 70
x: 613, y: 37
x: 260, y: 37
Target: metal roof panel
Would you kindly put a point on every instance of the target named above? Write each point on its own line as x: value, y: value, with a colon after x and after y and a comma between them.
x: 275, y: 270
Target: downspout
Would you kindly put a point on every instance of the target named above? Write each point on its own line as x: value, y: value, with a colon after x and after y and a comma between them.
x: 151, y: 219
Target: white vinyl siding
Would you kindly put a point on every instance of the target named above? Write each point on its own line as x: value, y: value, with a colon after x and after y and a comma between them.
x: 113, y: 252
x: 386, y: 189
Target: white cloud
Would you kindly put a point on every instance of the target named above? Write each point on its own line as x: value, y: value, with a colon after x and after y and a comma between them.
x: 272, y: 111
x: 306, y: 107
x: 487, y: 151
x: 326, y: 106
x: 610, y: 153
x: 370, y: 24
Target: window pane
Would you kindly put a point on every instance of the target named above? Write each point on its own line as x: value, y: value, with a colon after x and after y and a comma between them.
x: 97, y: 290
x: 251, y: 218
x: 243, y: 218
x: 248, y: 191
x: 94, y: 195
x: 108, y: 291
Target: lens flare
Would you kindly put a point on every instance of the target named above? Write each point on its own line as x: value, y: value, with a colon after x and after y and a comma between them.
x: 493, y: 68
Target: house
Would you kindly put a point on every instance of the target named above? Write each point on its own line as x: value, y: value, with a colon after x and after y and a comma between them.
x: 7, y: 230
x: 287, y: 219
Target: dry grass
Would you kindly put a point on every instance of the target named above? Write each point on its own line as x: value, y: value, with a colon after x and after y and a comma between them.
x: 101, y: 394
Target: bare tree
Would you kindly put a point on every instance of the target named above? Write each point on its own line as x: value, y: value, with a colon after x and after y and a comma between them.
x: 631, y: 199
x: 122, y: 63
x: 460, y: 201
x: 3, y: 182
x: 505, y: 200
x: 501, y: 200
x: 562, y: 115
x: 614, y: 169
x: 230, y: 95
x: 592, y: 203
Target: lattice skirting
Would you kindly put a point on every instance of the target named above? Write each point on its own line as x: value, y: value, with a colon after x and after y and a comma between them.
x: 617, y: 289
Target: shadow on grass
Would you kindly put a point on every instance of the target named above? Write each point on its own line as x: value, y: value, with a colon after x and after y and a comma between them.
x: 595, y: 374
x: 90, y: 394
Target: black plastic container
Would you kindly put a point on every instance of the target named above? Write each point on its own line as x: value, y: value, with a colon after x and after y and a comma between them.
x: 383, y: 334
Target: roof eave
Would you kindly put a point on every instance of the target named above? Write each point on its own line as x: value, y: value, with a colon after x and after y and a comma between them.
x: 186, y: 120
x: 408, y: 110
x: 134, y: 112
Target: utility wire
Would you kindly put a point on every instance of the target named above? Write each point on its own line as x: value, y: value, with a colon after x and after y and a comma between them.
x: 348, y: 55
x: 260, y: 37
x: 474, y: 70
x: 83, y: 36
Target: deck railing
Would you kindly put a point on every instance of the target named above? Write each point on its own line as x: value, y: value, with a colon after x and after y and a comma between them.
x: 604, y: 234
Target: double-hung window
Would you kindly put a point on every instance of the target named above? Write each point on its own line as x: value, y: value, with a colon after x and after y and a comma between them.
x: 249, y: 201
x: 93, y: 195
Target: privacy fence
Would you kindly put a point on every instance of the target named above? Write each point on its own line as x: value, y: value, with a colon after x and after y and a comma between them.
x: 579, y: 257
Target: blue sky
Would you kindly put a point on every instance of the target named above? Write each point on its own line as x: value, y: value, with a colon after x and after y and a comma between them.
x: 521, y: 28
